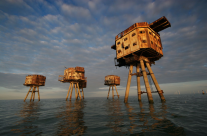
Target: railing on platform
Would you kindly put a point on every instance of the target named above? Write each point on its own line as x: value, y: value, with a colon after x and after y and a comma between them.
x: 61, y: 78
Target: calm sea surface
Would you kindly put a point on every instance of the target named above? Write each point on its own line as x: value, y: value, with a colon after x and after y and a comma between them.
x: 180, y: 115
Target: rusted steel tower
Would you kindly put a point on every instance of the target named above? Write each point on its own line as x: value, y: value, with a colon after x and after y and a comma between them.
x: 112, y: 81
x: 140, y: 45
x: 34, y: 81
x: 76, y: 78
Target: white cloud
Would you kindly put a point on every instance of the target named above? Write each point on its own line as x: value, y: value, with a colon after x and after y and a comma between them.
x: 81, y: 34
x: 77, y: 12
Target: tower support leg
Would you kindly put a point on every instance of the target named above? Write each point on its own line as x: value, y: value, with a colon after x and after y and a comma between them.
x: 149, y: 94
x: 116, y: 91
x: 108, y: 92
x: 32, y: 93
x: 112, y: 92
x: 155, y: 82
x: 68, y: 92
x: 38, y: 93
x: 79, y: 91
x: 71, y: 92
x: 128, y: 84
x: 27, y: 93
x: 138, y: 84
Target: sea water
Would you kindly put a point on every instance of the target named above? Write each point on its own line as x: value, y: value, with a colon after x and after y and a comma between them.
x: 179, y: 115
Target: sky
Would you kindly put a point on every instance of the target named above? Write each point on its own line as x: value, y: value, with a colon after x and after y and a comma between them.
x: 45, y: 36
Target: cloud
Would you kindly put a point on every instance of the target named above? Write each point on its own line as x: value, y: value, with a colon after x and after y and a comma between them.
x: 44, y: 39
x: 75, y: 11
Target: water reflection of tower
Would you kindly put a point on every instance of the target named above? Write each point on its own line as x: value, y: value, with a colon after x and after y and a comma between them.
x: 153, y: 121
x: 72, y: 117
x: 162, y: 123
x: 115, y: 116
x: 30, y: 114
x: 132, y: 117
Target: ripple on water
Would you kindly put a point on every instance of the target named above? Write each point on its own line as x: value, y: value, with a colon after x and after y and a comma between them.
x: 180, y: 115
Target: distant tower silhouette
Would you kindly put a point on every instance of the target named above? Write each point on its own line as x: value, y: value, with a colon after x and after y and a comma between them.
x: 34, y: 81
x: 140, y: 45
x: 76, y: 78
x: 112, y: 81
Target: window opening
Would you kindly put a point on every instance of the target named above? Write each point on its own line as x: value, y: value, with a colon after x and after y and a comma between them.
x: 122, y: 45
x: 144, y: 41
x: 127, y: 47
x: 141, y: 32
x: 135, y: 43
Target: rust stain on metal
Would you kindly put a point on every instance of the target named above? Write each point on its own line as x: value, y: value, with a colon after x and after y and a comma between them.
x: 112, y: 80
x: 76, y: 78
x: 140, y: 39
x: 37, y: 80
x: 34, y: 81
x: 140, y: 45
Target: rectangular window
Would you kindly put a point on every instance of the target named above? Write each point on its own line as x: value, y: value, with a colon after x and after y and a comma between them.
x: 135, y: 43
x: 127, y: 47
x: 144, y: 41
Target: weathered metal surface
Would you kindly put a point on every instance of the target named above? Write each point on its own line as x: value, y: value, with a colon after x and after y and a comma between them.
x: 160, y: 24
x: 140, y: 45
x: 112, y: 90
x: 76, y: 78
x: 73, y: 74
x: 33, y: 93
x: 79, y: 69
x: 76, y: 87
x: 112, y: 80
x: 37, y: 80
x: 141, y: 39
x: 155, y: 82
x: 138, y: 84
x: 128, y: 84
x: 83, y: 84
x: 147, y: 86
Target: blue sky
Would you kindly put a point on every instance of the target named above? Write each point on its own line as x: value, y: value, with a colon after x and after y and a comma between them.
x: 44, y: 37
